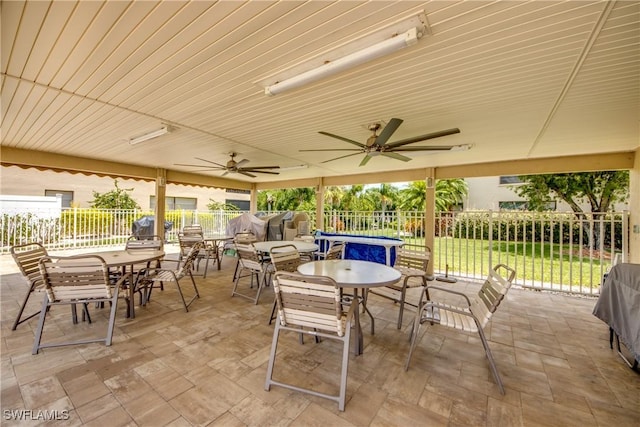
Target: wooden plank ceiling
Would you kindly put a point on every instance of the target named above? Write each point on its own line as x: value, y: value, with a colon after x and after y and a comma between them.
x: 521, y: 80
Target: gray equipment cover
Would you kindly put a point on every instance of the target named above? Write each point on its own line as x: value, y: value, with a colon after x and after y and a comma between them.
x: 619, y: 305
x: 247, y: 222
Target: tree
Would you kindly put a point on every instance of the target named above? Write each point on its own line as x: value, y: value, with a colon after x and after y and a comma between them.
x: 115, y: 199
x: 601, y: 190
x: 214, y: 205
x: 448, y: 193
x: 288, y: 199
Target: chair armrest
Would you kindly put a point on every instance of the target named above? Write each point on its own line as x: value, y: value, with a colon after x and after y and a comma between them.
x: 429, y: 287
x: 123, y: 278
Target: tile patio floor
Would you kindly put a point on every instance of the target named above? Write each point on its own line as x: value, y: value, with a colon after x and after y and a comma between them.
x: 207, y: 367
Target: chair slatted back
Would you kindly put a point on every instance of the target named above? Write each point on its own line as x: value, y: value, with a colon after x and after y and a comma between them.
x: 285, y: 258
x: 335, y: 251
x: 412, y: 259
x: 27, y: 256
x: 75, y: 278
x: 191, y: 230
x: 144, y: 244
x: 248, y: 257
x: 492, y: 293
x: 190, y: 258
x: 186, y: 242
x: 309, y: 301
x: 244, y: 237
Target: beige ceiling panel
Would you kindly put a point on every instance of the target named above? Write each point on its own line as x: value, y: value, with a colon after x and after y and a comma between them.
x: 108, y: 32
x: 171, y: 62
x: 54, y: 22
x: 74, y: 29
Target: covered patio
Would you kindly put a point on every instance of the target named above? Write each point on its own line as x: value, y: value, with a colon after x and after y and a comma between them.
x: 207, y: 366
x: 139, y: 90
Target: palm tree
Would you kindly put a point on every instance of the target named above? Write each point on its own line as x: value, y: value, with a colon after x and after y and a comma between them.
x: 448, y: 193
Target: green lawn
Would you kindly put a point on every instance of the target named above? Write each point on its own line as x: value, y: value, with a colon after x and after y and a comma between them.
x: 536, y: 263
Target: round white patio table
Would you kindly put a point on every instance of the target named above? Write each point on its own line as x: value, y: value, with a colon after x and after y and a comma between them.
x: 300, y: 245
x: 124, y: 258
x: 353, y: 274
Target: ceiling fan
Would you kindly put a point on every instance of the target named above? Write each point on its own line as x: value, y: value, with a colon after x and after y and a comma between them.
x: 232, y: 167
x: 377, y: 144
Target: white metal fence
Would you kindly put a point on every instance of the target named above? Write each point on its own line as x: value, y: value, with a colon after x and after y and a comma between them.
x: 550, y: 251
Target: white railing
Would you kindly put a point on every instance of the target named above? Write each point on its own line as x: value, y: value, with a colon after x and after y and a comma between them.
x: 550, y: 251
x: 557, y: 251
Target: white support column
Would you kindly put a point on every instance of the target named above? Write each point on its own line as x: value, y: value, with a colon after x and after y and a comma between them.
x: 634, y: 211
x: 161, y: 195
x: 430, y: 215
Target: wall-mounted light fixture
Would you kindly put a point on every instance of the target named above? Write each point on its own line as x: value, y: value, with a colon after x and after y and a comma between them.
x: 165, y: 129
x: 405, y: 33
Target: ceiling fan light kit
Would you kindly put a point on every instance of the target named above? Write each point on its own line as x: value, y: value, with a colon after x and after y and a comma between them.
x: 329, y: 67
x: 165, y: 129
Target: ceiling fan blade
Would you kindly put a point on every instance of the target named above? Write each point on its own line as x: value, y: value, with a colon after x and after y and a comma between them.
x: 242, y: 162
x: 257, y: 171
x: 262, y: 167
x: 350, y: 141
x: 335, y: 149
x: 207, y: 169
x: 423, y: 137
x: 246, y: 173
x: 365, y: 160
x: 388, y: 130
x: 342, y: 157
x: 209, y: 161
x: 433, y: 148
x: 200, y: 166
x: 226, y: 172
x: 395, y: 156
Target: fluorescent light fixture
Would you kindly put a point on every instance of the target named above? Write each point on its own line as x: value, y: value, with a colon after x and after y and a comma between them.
x: 385, y: 47
x: 165, y: 129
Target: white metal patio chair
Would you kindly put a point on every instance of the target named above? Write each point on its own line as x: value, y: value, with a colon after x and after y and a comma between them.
x: 162, y: 276
x: 311, y: 305
x: 251, y: 265
x: 471, y: 317
x: 81, y: 279
x: 413, y: 266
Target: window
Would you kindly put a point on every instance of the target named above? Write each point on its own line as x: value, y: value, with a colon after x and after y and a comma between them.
x: 510, y: 180
x: 67, y: 196
x: 243, y: 205
x: 522, y: 206
x: 176, y: 203
x: 512, y: 206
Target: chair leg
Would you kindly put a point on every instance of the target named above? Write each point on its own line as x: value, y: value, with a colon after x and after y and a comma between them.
x: 415, y: 329
x: 24, y: 304
x: 43, y: 315
x: 272, y: 356
x: 403, y: 295
x: 345, y: 368
x: 273, y: 311
x: 492, y: 363
x: 112, y: 318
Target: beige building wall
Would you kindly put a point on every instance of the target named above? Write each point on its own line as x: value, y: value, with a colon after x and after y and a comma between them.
x: 33, y: 182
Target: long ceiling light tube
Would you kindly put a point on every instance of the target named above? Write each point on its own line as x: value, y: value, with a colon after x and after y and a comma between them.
x: 377, y: 50
x: 147, y: 136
